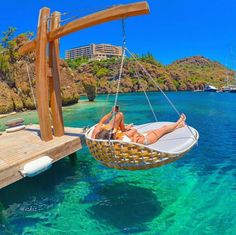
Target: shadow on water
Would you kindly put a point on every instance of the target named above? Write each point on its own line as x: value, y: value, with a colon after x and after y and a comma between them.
x: 125, y: 206
x: 64, y: 172
x: 1, y: 214
x: 21, y: 200
x: 42, y: 184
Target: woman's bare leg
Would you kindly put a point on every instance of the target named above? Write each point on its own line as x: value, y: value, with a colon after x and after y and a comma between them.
x: 153, y: 136
x: 130, y: 133
x: 171, y: 127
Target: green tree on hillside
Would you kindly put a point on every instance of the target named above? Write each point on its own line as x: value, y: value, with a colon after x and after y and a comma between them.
x: 9, y: 45
x: 7, y: 37
x: 75, y: 63
x: 149, y: 58
x: 102, y: 72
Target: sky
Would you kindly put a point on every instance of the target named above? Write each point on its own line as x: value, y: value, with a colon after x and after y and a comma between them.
x: 173, y: 29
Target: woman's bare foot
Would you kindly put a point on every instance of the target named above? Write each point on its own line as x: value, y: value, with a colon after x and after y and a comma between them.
x: 182, y: 118
x: 181, y: 121
x: 181, y: 124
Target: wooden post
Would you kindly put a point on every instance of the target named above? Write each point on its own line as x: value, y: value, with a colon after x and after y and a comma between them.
x: 55, y: 93
x: 41, y: 75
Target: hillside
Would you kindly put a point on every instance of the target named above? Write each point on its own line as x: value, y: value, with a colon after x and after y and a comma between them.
x: 17, y: 96
x: 197, y: 71
x: 76, y: 76
x: 185, y: 74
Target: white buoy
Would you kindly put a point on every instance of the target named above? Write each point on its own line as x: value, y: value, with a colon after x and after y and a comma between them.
x: 37, y: 166
x: 14, y: 129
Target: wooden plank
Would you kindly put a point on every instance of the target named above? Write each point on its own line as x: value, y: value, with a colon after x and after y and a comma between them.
x: 28, y: 146
x: 54, y: 81
x: 113, y: 13
x: 41, y: 76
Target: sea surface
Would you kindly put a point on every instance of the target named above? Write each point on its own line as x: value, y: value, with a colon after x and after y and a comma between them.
x: 194, y: 195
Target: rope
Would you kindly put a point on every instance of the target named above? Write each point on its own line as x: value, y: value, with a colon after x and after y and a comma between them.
x: 120, y: 71
x: 118, y: 85
x: 119, y: 77
x: 73, y: 12
x: 82, y: 11
x: 104, y: 105
x: 32, y: 90
x: 108, y: 95
x: 167, y: 98
x: 148, y: 74
x: 122, y: 61
x: 70, y: 18
x: 148, y: 100
x: 31, y: 86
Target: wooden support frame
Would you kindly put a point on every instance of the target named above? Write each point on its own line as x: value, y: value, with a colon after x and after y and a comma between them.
x: 41, y: 71
x: 54, y: 80
x: 47, y: 84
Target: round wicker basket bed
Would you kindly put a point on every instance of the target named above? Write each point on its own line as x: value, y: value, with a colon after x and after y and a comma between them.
x: 132, y: 156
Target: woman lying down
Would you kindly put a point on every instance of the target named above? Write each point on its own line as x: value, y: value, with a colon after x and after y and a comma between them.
x: 115, y: 129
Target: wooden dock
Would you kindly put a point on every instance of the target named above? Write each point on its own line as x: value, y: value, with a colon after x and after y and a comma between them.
x: 19, y: 148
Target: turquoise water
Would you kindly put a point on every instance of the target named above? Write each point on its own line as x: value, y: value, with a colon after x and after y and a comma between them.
x: 194, y: 195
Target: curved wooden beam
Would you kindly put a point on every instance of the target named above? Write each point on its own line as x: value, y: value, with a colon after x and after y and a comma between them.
x: 113, y: 13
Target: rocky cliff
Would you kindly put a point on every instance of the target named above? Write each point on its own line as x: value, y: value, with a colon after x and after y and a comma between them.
x: 17, y: 95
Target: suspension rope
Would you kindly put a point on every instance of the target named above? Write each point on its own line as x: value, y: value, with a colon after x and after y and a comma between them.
x: 82, y: 11
x: 108, y: 95
x: 120, y: 71
x: 119, y: 80
x: 31, y: 86
x: 70, y: 18
x: 104, y: 105
x: 119, y: 77
x: 122, y: 61
x: 167, y: 98
x: 149, y: 75
x: 148, y: 100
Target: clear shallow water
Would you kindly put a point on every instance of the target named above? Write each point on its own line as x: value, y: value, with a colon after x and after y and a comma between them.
x: 194, y: 195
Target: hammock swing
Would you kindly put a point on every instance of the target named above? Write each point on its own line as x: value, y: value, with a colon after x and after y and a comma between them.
x: 133, y: 156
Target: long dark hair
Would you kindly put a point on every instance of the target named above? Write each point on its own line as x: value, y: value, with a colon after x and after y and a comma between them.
x: 105, y: 135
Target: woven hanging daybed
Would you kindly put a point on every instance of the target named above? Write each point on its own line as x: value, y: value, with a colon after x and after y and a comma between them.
x: 132, y: 156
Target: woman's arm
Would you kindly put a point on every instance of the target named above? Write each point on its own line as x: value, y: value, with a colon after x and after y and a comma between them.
x: 105, y: 118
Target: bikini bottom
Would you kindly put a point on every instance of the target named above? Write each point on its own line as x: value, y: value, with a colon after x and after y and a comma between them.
x: 145, y: 141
